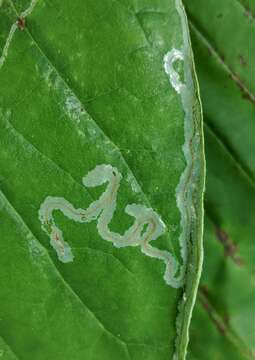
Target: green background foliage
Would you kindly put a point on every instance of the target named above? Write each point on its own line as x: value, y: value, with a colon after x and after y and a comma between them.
x: 222, y: 37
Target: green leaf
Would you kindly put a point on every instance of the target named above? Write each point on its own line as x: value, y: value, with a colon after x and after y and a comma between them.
x: 222, y: 37
x: 102, y: 176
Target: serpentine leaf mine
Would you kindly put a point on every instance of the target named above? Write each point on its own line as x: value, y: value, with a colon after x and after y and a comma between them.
x: 147, y: 225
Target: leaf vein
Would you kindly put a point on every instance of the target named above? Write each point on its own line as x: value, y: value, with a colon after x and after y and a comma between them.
x: 220, y: 59
x: 222, y: 326
x: 244, y: 172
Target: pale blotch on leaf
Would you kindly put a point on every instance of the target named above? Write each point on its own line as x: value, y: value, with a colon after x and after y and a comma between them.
x: 147, y: 226
x: 169, y: 59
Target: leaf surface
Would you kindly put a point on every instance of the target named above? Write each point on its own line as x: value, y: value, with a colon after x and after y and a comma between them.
x: 83, y: 84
